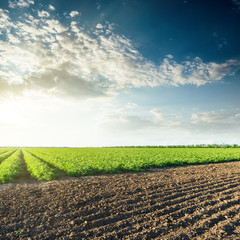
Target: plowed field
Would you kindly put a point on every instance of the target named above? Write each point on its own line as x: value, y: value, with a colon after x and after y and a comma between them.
x: 194, y: 202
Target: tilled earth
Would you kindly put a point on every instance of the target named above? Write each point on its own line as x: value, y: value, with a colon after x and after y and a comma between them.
x: 194, y: 202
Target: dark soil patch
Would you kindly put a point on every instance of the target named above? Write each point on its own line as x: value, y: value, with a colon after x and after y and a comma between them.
x: 194, y: 202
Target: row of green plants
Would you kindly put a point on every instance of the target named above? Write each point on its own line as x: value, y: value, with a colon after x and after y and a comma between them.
x: 185, y: 146
x: 87, y: 161
x: 45, y: 163
x: 38, y: 168
x: 5, y: 154
x: 11, y: 167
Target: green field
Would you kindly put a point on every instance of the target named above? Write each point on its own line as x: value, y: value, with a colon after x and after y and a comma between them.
x: 50, y: 163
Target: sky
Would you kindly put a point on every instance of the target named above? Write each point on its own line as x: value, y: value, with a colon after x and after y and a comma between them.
x: 83, y: 73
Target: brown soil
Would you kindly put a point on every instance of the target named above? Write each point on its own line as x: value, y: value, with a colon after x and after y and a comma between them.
x: 195, y: 202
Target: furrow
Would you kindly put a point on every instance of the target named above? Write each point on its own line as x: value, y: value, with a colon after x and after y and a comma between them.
x: 199, y: 223
x: 183, y: 217
x: 227, y: 227
x: 158, y: 210
x: 204, y: 184
x: 148, y: 204
x: 173, y: 194
x: 218, y: 214
x: 205, y: 211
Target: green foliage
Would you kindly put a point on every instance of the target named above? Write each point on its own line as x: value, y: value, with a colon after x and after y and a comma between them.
x: 5, y: 154
x: 88, y: 161
x: 11, y: 167
x: 185, y: 146
x: 20, y: 231
x: 39, y: 169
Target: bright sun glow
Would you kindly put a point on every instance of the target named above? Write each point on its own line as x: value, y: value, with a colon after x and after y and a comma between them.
x: 88, y: 74
x: 10, y: 114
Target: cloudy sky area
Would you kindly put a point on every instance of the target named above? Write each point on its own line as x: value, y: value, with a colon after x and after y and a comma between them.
x: 119, y: 72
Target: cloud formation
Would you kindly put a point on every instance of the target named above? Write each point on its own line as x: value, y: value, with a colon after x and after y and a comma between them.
x: 74, y: 13
x: 213, y: 122
x: 20, y: 3
x: 52, y: 8
x: 43, y: 14
x: 40, y: 53
x: 213, y: 117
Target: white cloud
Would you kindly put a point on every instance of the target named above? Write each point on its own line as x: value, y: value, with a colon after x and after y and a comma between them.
x: 123, y: 124
x: 131, y: 105
x: 203, y: 123
x: 39, y: 51
x: 216, y: 122
x: 74, y: 13
x: 5, y: 22
x: 160, y: 117
x: 60, y: 81
x: 213, y: 116
x: 20, y: 3
x: 99, y: 26
x: 53, y: 26
x: 196, y: 72
x: 51, y: 7
x: 43, y: 14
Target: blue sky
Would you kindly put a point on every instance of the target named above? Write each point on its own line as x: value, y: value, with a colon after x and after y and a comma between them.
x: 107, y: 73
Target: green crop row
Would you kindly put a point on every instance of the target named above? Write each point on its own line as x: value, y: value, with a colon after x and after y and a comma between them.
x: 5, y: 155
x: 11, y: 167
x: 3, y: 150
x: 50, y: 160
x: 38, y: 169
x: 87, y: 161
